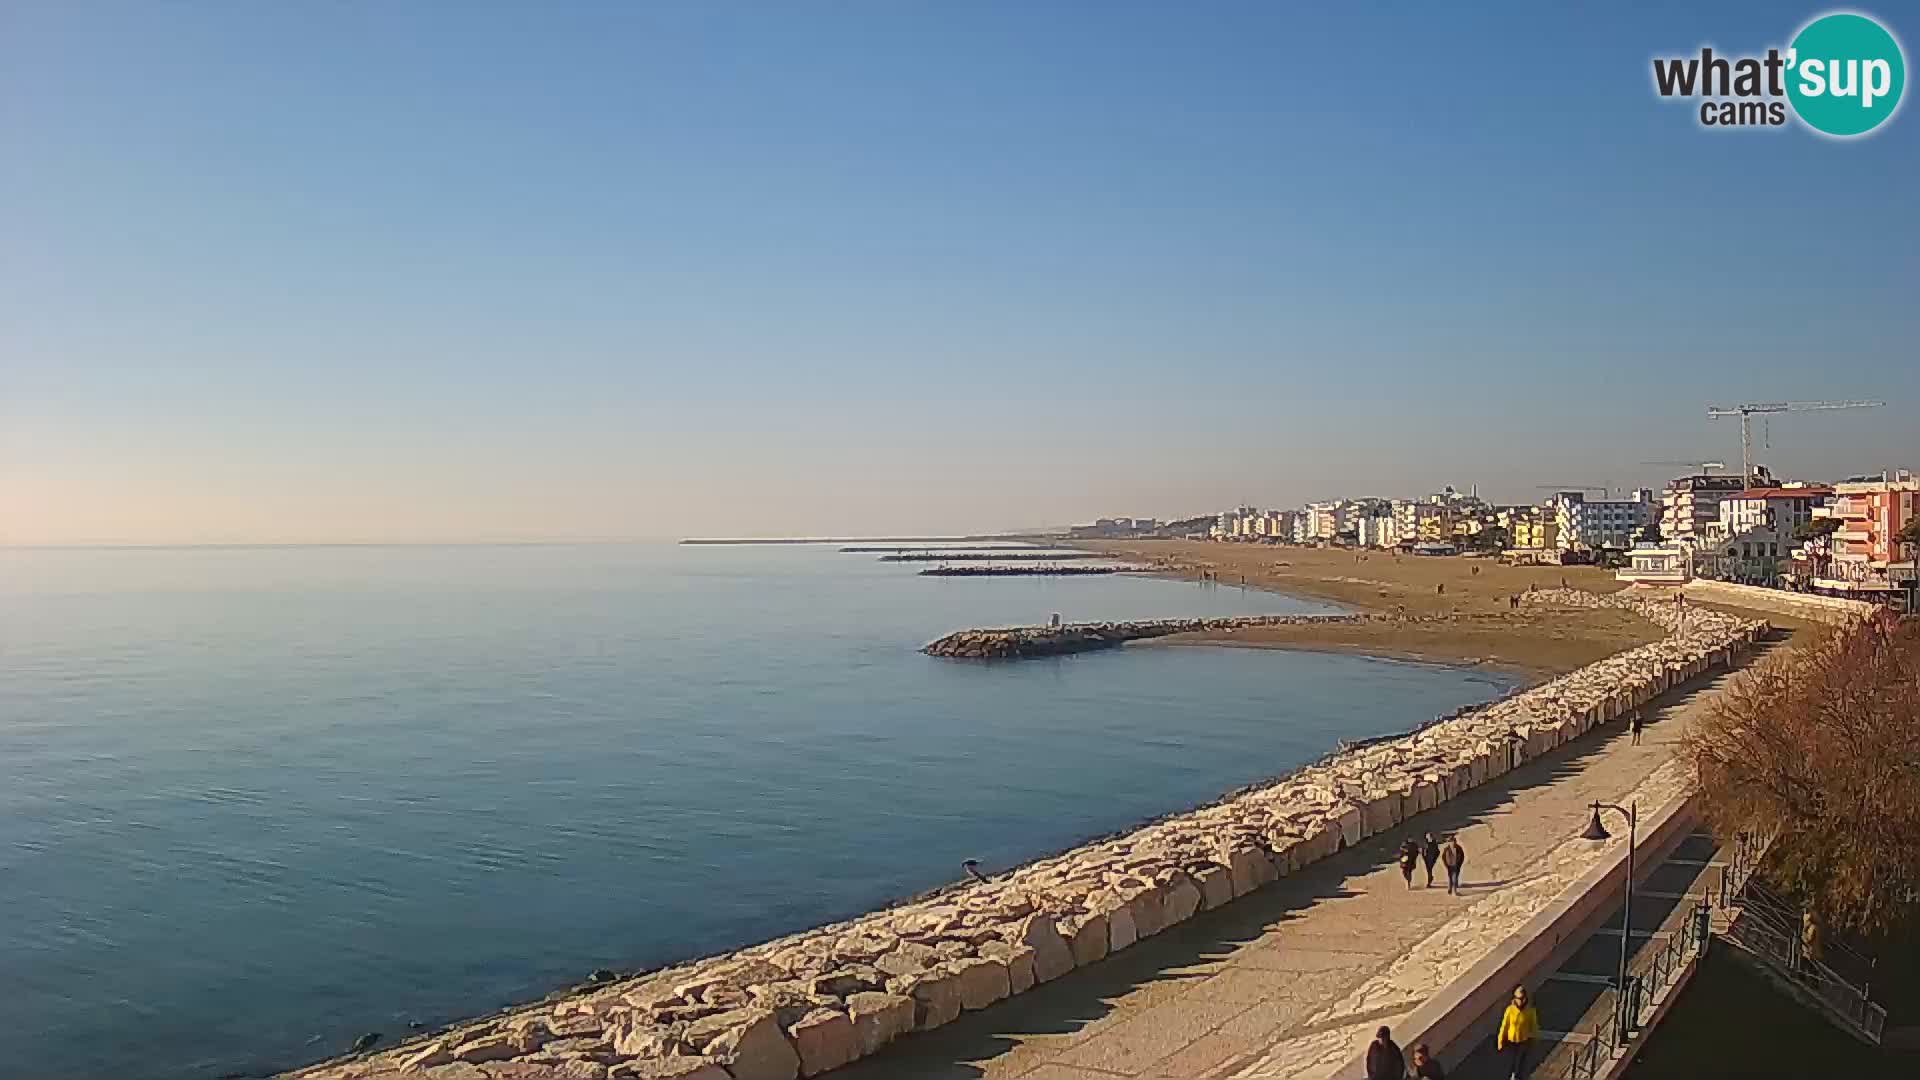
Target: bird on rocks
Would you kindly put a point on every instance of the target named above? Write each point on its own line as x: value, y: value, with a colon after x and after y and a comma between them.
x: 972, y: 867
x: 365, y: 1042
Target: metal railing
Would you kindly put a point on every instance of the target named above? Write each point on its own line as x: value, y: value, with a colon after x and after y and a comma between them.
x: 1772, y: 927
x: 1769, y: 926
x: 1650, y: 973
x: 1744, y: 856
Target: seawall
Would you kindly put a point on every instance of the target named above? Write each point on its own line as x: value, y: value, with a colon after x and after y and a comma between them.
x: 1809, y: 606
x: 804, y: 1004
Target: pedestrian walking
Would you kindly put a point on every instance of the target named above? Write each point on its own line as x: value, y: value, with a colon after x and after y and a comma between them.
x: 1809, y: 941
x: 1518, y: 1026
x: 1453, y: 857
x: 1409, y: 856
x: 1425, y: 1065
x: 1430, y: 854
x: 1638, y: 723
x: 1384, y: 1059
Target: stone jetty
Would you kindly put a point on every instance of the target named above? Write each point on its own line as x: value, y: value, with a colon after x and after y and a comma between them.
x: 1021, y: 570
x: 930, y: 545
x: 1024, y: 642
x: 994, y: 556
x: 810, y: 1002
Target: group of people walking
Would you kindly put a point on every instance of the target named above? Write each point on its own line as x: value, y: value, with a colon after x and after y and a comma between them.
x: 1449, y: 855
x: 1519, y: 1026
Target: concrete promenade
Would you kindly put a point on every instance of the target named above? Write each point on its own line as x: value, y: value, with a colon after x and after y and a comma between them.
x: 1291, y: 981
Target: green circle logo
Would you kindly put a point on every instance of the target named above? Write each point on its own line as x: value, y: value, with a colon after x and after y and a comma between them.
x: 1845, y: 73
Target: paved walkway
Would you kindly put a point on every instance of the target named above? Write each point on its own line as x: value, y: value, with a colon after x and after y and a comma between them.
x: 1291, y: 981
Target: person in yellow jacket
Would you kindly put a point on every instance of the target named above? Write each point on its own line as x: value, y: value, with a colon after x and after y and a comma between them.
x: 1517, y: 1028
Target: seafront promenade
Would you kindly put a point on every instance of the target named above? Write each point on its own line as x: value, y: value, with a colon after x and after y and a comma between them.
x: 1290, y: 983
x: 1112, y: 923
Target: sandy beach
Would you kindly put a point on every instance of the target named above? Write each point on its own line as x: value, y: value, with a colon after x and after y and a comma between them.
x: 1470, y: 595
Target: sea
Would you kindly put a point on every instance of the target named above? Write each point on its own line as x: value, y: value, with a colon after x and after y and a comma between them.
x: 258, y: 801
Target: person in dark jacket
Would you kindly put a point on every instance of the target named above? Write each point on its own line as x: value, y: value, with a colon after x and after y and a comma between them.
x: 1430, y: 854
x: 1384, y: 1059
x: 1409, y: 858
x: 1425, y: 1065
x: 1453, y: 857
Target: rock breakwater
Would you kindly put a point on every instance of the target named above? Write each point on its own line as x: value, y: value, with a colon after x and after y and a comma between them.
x: 810, y: 1002
x: 995, y: 556
x: 1027, y: 570
x: 1022, y: 642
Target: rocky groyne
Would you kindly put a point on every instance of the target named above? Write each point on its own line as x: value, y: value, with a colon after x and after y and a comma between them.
x: 810, y: 1002
x: 1024, y: 570
x: 994, y: 556
x: 1024, y: 642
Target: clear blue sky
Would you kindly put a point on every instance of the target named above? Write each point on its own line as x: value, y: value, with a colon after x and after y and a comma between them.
x: 442, y: 271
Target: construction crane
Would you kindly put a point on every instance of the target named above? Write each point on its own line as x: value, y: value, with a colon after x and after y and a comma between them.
x: 1602, y: 489
x: 1745, y: 413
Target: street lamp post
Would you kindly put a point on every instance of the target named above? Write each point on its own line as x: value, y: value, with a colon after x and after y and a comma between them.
x: 1598, y: 831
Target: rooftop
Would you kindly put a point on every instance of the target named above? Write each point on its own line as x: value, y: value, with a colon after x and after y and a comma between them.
x: 1785, y: 493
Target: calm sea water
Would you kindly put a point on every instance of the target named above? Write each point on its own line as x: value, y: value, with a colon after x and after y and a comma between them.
x: 255, y: 802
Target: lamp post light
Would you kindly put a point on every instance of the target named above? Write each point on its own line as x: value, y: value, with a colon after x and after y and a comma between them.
x: 1598, y: 831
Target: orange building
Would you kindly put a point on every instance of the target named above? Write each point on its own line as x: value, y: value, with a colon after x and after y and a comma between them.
x: 1865, y: 560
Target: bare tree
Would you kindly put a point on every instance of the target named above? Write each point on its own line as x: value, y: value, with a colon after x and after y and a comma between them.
x: 1815, y: 536
x: 1909, y: 535
x: 1821, y: 748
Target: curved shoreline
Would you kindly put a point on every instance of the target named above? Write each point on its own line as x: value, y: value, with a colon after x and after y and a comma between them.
x: 1450, y: 611
x: 809, y: 1002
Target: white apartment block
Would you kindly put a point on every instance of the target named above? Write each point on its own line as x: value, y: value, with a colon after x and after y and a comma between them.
x: 1601, y: 523
x: 1782, y: 509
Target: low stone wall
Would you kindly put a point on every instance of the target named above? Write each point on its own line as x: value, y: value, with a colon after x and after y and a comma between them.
x: 1023, y: 642
x: 1810, y: 606
x: 810, y: 1002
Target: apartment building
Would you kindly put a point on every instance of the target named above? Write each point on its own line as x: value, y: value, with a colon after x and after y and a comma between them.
x: 1532, y: 529
x: 1689, y: 504
x: 1785, y: 508
x: 1863, y: 558
x: 1583, y: 523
